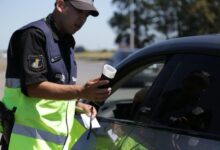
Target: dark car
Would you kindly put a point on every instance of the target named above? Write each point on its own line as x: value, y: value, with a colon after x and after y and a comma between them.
x: 178, y: 111
x: 137, y: 80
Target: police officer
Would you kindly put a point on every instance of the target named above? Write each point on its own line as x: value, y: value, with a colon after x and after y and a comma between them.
x: 41, y: 77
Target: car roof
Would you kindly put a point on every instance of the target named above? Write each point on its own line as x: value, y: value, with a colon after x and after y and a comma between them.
x: 205, y: 44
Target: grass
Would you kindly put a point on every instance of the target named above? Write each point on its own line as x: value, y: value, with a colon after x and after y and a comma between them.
x: 94, y: 55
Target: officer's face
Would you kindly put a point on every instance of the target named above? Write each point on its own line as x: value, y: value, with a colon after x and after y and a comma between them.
x: 72, y: 18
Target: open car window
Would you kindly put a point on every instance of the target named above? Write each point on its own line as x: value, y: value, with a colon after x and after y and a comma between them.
x: 131, y: 90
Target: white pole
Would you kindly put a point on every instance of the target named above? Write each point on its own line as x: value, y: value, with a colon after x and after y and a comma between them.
x: 132, y: 43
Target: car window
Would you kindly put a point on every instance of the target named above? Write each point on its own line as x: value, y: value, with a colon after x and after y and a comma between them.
x: 191, y: 97
x: 125, y: 101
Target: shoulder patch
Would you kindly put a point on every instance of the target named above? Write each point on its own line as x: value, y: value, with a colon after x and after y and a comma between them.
x: 36, y: 63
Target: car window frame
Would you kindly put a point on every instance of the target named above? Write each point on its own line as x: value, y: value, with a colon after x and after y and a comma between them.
x: 141, y: 65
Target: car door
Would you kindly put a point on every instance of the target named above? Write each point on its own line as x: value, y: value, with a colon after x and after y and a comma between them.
x: 143, y: 117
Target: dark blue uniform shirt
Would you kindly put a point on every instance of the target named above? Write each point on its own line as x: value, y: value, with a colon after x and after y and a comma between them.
x: 32, y: 42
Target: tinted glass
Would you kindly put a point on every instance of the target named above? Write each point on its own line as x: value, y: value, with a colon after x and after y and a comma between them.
x: 191, y: 99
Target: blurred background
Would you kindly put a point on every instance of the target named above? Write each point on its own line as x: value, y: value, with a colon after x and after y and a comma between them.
x: 123, y: 27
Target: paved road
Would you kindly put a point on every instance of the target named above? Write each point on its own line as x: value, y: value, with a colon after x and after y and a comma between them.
x: 88, y: 70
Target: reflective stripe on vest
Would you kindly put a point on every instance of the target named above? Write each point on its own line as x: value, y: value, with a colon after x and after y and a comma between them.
x: 13, y: 83
x: 38, y: 134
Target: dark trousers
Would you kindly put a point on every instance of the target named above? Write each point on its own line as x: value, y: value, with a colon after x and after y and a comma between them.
x: 3, y: 144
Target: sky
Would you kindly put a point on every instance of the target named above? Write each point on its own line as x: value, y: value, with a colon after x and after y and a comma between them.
x: 96, y: 34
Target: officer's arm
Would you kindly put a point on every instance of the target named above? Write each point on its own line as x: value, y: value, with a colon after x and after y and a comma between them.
x: 49, y: 90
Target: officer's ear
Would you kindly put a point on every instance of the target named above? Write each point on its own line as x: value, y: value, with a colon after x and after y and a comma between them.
x: 59, y: 5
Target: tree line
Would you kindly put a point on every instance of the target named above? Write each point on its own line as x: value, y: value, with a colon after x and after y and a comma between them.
x: 164, y: 19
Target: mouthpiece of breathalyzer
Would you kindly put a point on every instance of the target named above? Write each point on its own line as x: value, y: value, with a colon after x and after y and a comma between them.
x: 108, y: 73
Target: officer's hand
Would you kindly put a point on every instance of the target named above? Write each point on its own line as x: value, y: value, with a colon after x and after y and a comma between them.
x: 92, y: 92
x: 88, y: 109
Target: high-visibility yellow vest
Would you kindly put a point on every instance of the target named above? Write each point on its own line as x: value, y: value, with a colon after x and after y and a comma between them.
x: 40, y: 124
